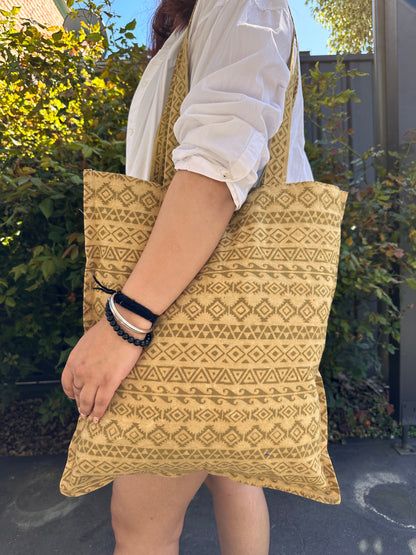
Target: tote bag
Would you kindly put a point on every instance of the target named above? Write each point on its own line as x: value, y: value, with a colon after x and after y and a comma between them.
x: 230, y: 383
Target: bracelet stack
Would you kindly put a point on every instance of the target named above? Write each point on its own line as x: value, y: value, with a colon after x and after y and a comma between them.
x: 119, y: 323
x: 123, y: 334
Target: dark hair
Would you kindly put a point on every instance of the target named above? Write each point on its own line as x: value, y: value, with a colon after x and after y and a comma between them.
x: 169, y: 16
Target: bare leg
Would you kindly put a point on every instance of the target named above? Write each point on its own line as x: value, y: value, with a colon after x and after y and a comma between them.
x: 242, y: 517
x: 148, y: 512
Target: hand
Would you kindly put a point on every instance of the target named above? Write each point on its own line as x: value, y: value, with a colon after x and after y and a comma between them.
x: 95, y: 368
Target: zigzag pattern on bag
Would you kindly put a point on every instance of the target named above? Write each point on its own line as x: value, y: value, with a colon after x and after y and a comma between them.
x: 231, y: 382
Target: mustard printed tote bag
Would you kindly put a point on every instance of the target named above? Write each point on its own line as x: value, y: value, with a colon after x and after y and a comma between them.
x: 230, y: 382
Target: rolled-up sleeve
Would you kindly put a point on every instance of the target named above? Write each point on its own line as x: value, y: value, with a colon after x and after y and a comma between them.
x: 238, y: 79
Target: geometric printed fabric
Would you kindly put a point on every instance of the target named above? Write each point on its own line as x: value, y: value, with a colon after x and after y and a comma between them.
x: 230, y: 382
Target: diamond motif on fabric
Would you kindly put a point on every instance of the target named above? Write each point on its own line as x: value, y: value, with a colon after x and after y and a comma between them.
x: 183, y: 437
x: 148, y: 413
x: 177, y: 415
x: 263, y: 414
x: 326, y: 199
x: 173, y: 352
x: 192, y: 309
x: 241, y: 309
x: 217, y: 287
x: 158, y: 435
x: 286, y: 199
x: 247, y: 287
x: 277, y: 434
x: 263, y: 200
x: 105, y: 194
x: 313, y: 428
x: 112, y: 431
x: 127, y: 196
x: 195, y: 353
x: 207, y: 415
x: 214, y: 353
x: 323, y: 312
x: 216, y: 309
x: 289, y: 412
x: 120, y: 234
x: 286, y: 310
x: 296, y: 432
x: 307, y: 311
x: 236, y: 353
x: 307, y: 198
x: 149, y: 201
x: 237, y: 416
x: 231, y: 437
x: 254, y: 435
x: 256, y: 353
x: 134, y: 434
x: 207, y: 436
x: 121, y: 409
x: 298, y: 235
x: 264, y: 310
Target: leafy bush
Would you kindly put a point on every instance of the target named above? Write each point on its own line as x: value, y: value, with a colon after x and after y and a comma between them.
x: 62, y: 109
x: 378, y: 251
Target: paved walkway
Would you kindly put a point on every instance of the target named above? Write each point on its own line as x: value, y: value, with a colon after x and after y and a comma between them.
x: 377, y: 514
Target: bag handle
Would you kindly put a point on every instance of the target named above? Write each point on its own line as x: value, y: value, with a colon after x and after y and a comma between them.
x: 279, y: 147
x: 163, y: 168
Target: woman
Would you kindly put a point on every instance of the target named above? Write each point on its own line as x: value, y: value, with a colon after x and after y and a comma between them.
x: 239, y: 52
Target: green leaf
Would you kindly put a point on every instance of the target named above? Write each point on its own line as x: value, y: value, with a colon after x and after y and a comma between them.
x: 37, y: 250
x: 46, y: 207
x: 94, y: 37
x: 131, y: 25
x: 86, y: 151
x: 18, y: 271
x: 10, y: 301
x: 47, y: 268
x: 411, y: 282
x: 58, y: 35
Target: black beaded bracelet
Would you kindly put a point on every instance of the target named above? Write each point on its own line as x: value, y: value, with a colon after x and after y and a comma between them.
x: 124, y: 335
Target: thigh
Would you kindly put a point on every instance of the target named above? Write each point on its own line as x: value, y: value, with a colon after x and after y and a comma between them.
x: 145, y: 504
x: 219, y: 485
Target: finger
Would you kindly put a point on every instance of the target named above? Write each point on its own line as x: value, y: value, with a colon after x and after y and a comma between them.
x: 67, y: 383
x: 102, y: 400
x: 77, y: 393
x: 86, y: 399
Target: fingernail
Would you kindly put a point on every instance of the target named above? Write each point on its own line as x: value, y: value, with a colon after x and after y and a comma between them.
x: 95, y: 420
x: 84, y: 416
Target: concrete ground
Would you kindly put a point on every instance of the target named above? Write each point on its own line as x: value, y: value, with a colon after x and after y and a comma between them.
x: 377, y: 514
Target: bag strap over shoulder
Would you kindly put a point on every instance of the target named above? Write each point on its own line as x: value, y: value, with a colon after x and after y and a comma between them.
x: 163, y: 169
x: 162, y: 165
x: 276, y: 169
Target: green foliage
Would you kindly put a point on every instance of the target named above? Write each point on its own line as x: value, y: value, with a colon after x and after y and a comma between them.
x: 359, y: 408
x: 350, y: 23
x: 378, y: 252
x: 56, y: 406
x: 62, y: 109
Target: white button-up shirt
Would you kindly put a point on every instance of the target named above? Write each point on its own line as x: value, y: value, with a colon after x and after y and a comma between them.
x: 239, y: 51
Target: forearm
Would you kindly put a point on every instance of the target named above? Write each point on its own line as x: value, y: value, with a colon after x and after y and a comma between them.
x: 191, y: 221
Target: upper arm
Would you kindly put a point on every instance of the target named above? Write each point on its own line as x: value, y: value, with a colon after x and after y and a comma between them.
x: 239, y: 73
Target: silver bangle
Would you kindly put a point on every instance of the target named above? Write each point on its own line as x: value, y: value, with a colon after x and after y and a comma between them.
x: 123, y: 321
